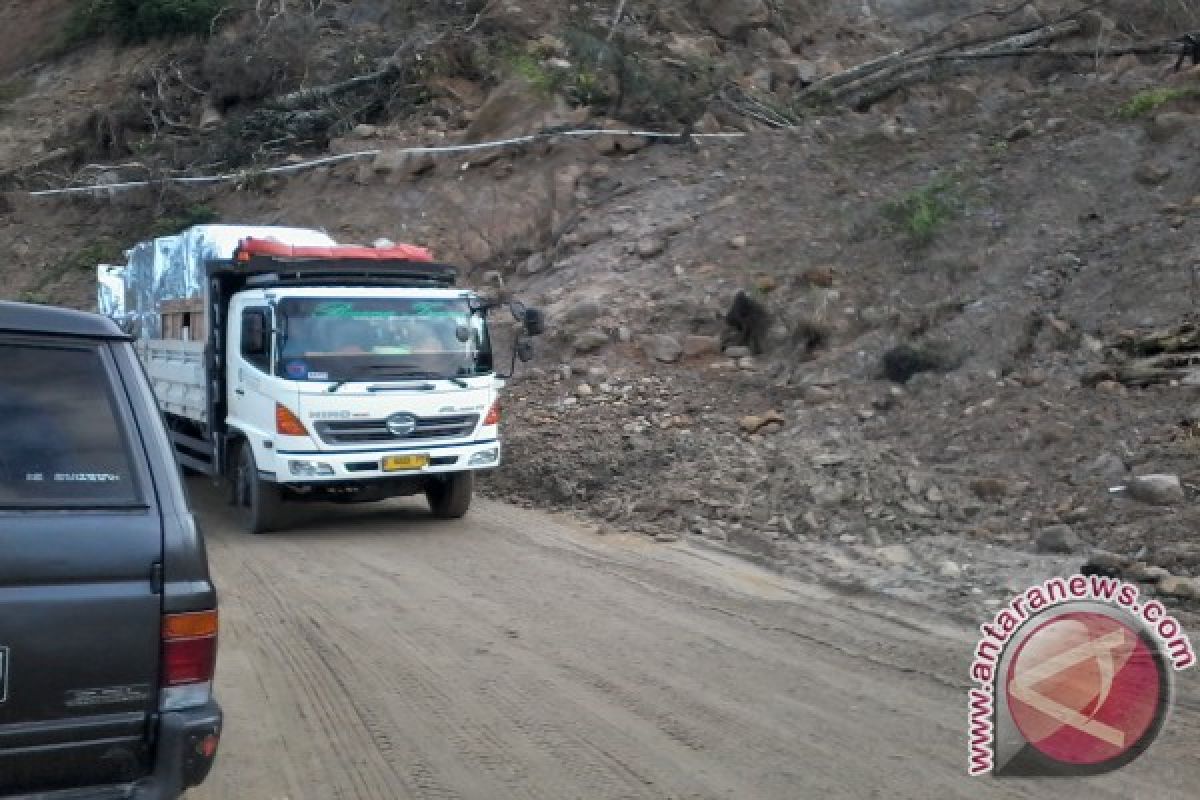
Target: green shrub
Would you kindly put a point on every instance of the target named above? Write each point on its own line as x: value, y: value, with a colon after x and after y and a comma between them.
x: 172, y: 223
x: 922, y: 212
x: 1150, y: 100
x: 140, y: 20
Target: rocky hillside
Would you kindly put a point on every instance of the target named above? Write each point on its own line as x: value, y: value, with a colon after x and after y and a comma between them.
x: 940, y: 378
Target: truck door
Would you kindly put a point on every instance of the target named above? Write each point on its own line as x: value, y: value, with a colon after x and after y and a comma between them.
x: 80, y: 554
x: 251, y: 397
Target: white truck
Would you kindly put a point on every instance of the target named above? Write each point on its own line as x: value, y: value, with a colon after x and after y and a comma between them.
x: 304, y: 370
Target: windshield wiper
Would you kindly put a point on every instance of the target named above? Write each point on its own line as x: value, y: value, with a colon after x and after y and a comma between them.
x: 336, y: 386
x: 416, y: 374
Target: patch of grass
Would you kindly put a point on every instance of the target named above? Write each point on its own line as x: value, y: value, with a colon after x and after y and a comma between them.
x: 579, y: 83
x: 171, y: 224
x: 921, y: 213
x: 102, y: 251
x: 1150, y: 100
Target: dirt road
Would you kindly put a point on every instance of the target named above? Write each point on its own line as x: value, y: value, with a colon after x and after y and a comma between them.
x: 376, y: 653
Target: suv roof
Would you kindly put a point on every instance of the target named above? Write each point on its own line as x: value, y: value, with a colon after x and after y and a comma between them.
x: 28, y: 318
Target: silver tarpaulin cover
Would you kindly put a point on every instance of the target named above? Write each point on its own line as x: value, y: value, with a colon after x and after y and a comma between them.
x: 173, y: 268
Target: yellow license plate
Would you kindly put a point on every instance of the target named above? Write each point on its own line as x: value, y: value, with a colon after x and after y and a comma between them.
x: 402, y: 463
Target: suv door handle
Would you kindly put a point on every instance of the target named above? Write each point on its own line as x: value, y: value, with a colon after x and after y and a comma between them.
x: 239, y: 391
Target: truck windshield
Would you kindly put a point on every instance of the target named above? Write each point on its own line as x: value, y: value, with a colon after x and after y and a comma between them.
x: 350, y: 339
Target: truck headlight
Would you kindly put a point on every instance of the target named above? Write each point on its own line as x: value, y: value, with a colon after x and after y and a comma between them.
x: 490, y: 456
x: 310, y: 469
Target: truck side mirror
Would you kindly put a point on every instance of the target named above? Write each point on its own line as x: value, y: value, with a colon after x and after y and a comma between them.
x: 254, y: 333
x: 535, y: 322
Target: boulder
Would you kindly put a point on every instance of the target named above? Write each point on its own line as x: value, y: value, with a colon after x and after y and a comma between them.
x: 584, y: 311
x: 794, y: 71
x: 990, y: 489
x: 516, y: 108
x: 520, y: 17
x: 662, y: 347
x: 534, y: 264
x: 1157, y: 490
x: 693, y: 48
x: 700, y: 345
x: 1151, y: 173
x: 651, y: 246
x: 1057, y: 539
x: 590, y: 341
x: 1179, y: 586
x: 402, y: 164
x: 896, y: 555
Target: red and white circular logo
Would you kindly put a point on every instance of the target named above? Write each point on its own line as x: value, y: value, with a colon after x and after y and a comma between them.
x: 1086, y: 689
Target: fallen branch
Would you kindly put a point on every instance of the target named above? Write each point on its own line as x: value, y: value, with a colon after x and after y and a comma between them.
x: 317, y: 95
x: 1161, y: 48
x: 864, y: 84
x: 869, y: 90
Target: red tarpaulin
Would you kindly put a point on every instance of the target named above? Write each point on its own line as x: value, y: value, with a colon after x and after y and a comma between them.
x: 270, y: 248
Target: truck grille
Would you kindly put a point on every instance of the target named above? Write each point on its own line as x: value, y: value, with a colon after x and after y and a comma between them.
x: 375, y: 431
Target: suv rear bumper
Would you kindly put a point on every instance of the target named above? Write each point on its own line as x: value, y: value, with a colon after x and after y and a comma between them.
x: 179, y: 763
x: 182, y: 759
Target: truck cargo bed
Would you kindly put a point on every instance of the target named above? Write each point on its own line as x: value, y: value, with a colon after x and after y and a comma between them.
x: 176, y: 371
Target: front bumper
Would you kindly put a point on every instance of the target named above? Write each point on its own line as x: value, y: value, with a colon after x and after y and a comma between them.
x: 339, y: 466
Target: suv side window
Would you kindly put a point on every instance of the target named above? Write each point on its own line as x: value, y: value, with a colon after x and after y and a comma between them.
x: 262, y: 360
x: 62, y: 442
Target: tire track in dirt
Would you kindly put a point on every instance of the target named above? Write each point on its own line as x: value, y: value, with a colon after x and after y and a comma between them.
x: 375, y: 653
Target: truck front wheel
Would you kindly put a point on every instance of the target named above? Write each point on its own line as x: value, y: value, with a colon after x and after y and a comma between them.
x: 259, y: 503
x: 450, y: 495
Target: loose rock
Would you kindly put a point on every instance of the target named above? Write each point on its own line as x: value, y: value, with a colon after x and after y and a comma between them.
x: 700, y: 345
x: 1152, y: 174
x: 897, y: 555
x: 651, y: 246
x: 991, y: 489
x: 662, y: 347
x: 1178, y: 586
x: 1158, y: 490
x: 590, y: 341
x: 1057, y: 539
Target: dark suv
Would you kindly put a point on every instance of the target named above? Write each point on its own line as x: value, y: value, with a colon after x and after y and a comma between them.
x: 108, y: 622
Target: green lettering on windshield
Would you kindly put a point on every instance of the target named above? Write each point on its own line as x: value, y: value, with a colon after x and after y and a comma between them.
x: 342, y: 310
x: 348, y: 311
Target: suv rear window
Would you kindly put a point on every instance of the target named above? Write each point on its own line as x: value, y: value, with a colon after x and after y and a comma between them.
x: 62, y: 444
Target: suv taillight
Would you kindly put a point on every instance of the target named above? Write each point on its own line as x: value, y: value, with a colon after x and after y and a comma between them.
x: 189, y: 658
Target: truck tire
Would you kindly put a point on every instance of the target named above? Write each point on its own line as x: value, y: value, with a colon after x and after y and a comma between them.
x: 259, y: 503
x: 449, y: 496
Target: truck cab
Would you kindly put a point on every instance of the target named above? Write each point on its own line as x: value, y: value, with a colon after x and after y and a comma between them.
x: 329, y: 373
x: 359, y: 393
